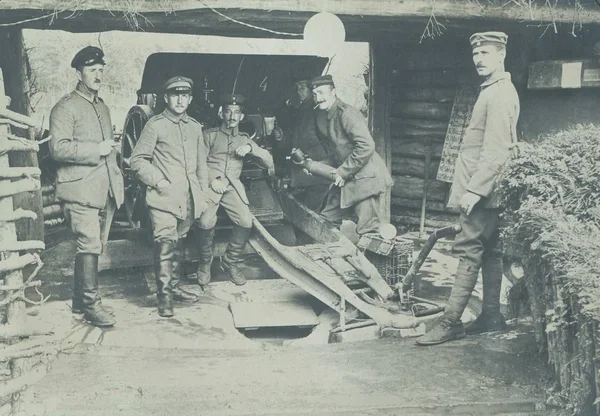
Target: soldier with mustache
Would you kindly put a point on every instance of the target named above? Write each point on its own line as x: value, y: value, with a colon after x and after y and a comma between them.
x: 88, y: 180
x: 484, y: 150
x: 361, y: 176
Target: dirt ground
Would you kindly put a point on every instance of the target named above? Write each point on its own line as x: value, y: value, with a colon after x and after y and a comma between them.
x: 198, y: 363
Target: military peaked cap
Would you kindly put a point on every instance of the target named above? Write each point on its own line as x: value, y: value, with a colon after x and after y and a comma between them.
x: 178, y: 84
x: 232, y: 99
x: 322, y: 80
x: 88, y: 56
x: 488, y: 38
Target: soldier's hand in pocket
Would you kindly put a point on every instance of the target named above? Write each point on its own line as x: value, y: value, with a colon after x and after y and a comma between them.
x: 338, y: 180
x: 162, y: 185
x: 219, y: 185
x: 106, y: 147
x: 243, y: 150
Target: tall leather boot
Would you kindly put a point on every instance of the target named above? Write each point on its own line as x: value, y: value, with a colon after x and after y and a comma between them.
x: 86, y: 270
x: 232, y: 259
x: 178, y: 293
x: 204, y: 240
x: 163, y: 271
x: 76, y: 301
x: 449, y: 327
x: 490, y: 319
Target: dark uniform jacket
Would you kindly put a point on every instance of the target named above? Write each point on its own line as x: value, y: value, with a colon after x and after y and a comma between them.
x: 352, y: 152
x: 222, y: 161
x: 78, y: 124
x: 304, y: 137
x: 171, y: 147
x: 485, y: 147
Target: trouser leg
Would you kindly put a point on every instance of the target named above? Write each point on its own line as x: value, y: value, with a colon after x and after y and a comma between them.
x: 368, y: 212
x: 331, y: 210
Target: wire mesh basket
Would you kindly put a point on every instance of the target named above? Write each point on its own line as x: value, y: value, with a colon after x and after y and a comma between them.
x: 392, y: 258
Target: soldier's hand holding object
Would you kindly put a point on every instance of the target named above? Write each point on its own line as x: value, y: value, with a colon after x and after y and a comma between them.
x: 338, y: 180
x: 162, y: 185
x: 468, y: 201
x: 219, y: 185
x: 106, y: 147
x: 243, y: 150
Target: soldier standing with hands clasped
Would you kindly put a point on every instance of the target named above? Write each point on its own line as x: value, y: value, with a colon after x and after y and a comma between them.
x: 88, y: 180
x: 484, y: 150
x: 170, y: 160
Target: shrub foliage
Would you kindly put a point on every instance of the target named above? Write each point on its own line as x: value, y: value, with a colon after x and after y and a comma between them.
x: 550, y: 193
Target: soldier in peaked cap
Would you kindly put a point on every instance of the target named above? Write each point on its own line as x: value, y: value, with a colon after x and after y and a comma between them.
x: 170, y: 159
x: 484, y: 150
x: 299, y: 132
x: 361, y: 175
x: 227, y: 147
x: 88, y: 180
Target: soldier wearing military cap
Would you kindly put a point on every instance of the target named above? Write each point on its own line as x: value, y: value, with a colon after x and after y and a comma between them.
x: 361, y: 175
x: 88, y: 180
x: 170, y: 159
x: 299, y: 132
x: 227, y: 147
x: 491, y: 132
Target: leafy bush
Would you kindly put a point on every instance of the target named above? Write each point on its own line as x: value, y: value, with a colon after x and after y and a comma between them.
x: 550, y: 194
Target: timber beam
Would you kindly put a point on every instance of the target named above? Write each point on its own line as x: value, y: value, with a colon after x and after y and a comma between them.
x: 364, y: 19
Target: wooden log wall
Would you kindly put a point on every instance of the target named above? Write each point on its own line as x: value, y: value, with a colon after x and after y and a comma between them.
x: 423, y: 82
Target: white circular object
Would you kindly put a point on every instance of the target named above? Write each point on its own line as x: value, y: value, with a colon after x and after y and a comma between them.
x: 387, y: 231
x: 325, y: 32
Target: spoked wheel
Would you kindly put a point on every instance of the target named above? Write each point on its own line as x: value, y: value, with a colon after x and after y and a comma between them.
x: 134, y: 204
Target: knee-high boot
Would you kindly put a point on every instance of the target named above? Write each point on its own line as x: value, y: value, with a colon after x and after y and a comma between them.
x: 86, y: 273
x: 232, y: 259
x: 490, y: 319
x: 178, y: 293
x: 204, y: 241
x: 163, y: 271
x: 449, y: 327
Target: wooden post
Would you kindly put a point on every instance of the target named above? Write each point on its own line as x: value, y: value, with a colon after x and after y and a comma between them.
x: 425, y: 188
x: 379, y: 113
x: 14, y: 64
x: 8, y: 235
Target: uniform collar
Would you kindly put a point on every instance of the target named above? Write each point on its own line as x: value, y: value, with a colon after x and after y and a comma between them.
x: 174, y: 117
x: 230, y: 132
x: 82, y: 91
x: 498, y: 76
x: 333, y: 108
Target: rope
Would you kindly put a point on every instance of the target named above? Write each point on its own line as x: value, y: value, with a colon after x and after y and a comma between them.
x: 248, y: 24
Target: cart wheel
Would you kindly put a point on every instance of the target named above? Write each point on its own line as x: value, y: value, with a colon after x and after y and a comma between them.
x: 134, y: 204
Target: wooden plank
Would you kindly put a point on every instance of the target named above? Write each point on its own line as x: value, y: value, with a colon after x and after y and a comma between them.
x: 413, y: 109
x: 408, y: 220
x: 403, y: 203
x: 13, y: 61
x: 379, y: 114
x: 585, y: 12
x: 435, y: 95
x: 564, y: 74
x: 415, y: 147
x: 8, y: 234
x: 426, y: 79
x: 412, y: 188
x: 412, y: 166
x: 448, y: 217
x: 249, y: 315
x: 425, y: 124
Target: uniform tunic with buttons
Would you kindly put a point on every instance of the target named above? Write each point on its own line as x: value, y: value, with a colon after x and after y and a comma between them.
x: 352, y: 152
x: 485, y: 147
x: 171, y: 147
x: 484, y: 151
x: 79, y: 122
x: 222, y: 162
x: 89, y: 185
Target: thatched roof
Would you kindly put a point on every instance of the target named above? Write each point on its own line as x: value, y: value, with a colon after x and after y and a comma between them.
x: 364, y: 19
